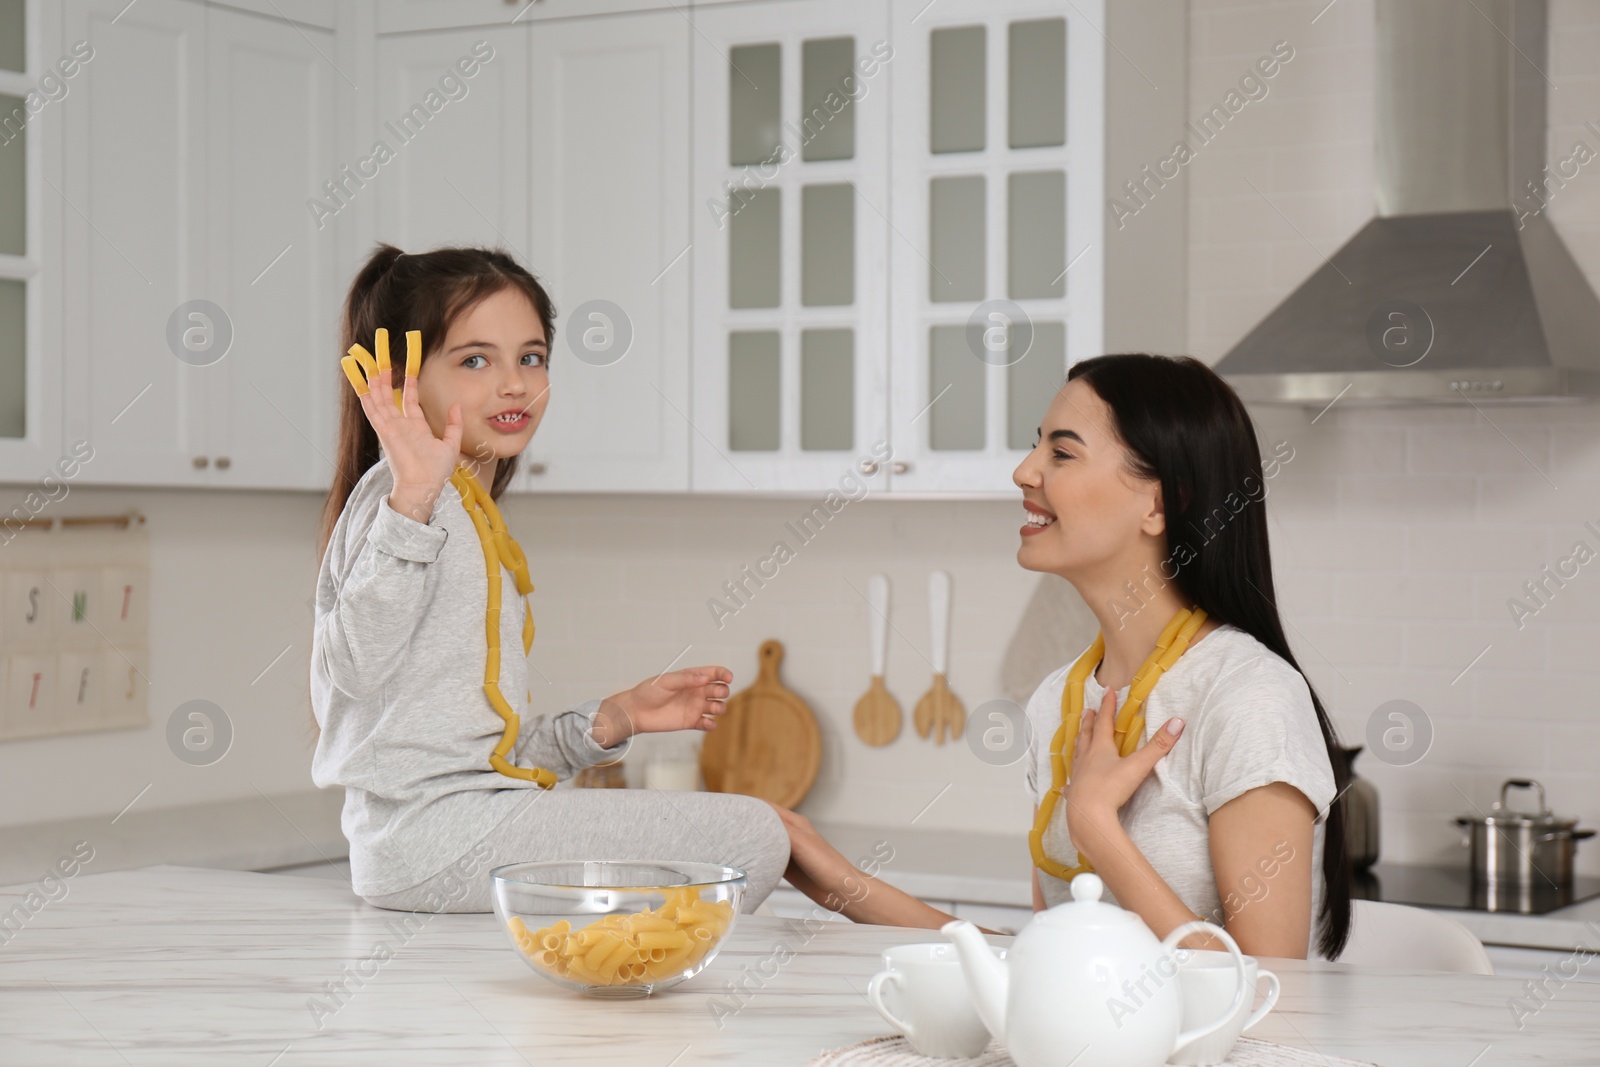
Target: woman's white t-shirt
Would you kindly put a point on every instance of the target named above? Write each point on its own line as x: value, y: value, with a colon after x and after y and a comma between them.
x: 1248, y: 721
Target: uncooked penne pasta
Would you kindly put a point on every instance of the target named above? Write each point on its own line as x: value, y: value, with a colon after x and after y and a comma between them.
x: 413, y: 353
x: 352, y: 370
x: 647, y: 946
x: 649, y: 939
x: 369, y: 366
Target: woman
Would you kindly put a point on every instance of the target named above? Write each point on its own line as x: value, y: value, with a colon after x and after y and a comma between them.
x: 1145, y: 491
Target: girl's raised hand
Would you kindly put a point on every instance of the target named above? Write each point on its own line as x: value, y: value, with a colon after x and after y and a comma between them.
x: 421, y: 462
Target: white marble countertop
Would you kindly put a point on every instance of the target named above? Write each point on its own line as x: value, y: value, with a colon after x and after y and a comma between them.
x: 174, y: 965
x: 941, y: 866
x: 945, y: 865
x: 250, y: 834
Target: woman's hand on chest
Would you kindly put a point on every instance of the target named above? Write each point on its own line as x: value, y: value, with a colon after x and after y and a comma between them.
x: 1102, y: 779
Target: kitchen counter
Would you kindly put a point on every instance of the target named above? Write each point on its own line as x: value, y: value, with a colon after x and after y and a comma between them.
x: 945, y: 864
x: 173, y: 965
x: 249, y: 834
x: 1577, y: 926
x: 940, y: 865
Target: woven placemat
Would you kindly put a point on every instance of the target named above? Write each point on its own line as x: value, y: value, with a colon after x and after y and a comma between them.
x: 896, y: 1051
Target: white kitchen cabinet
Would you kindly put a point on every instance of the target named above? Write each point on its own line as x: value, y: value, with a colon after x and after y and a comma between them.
x: 30, y: 225
x: 192, y: 134
x: 134, y: 181
x: 998, y: 142
x: 791, y: 236
x: 609, y: 193
x: 414, y: 15
x: 961, y: 312
x: 570, y: 150
x: 269, y: 95
x: 459, y: 174
x: 830, y: 291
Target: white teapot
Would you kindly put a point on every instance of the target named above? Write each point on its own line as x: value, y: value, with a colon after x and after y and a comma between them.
x: 1086, y: 983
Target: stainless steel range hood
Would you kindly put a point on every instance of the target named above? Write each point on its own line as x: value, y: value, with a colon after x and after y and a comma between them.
x: 1459, y: 288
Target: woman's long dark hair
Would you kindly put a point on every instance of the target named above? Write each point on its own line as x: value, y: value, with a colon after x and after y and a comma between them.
x: 1183, y: 426
x: 425, y: 291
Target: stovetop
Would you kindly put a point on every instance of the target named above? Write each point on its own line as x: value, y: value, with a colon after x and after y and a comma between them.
x: 1454, y: 887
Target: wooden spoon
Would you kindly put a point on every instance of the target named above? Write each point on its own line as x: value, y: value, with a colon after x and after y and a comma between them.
x: 877, y: 715
x: 939, y: 708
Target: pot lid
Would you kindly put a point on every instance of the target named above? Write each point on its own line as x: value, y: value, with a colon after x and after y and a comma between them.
x: 1501, y: 814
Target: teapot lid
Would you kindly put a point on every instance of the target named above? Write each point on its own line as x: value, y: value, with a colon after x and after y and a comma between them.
x: 1087, y: 909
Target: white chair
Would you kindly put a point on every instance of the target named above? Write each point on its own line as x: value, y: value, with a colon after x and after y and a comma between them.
x: 1394, y: 935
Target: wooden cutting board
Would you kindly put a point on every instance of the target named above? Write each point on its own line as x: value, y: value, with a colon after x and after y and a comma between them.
x: 767, y: 743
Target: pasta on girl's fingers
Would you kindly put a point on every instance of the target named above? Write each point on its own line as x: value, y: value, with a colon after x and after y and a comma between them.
x: 645, y: 947
x: 352, y: 370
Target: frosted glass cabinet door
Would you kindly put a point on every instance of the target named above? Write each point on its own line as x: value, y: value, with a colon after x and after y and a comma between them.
x: 790, y: 254
x: 30, y: 340
x: 609, y: 194
x: 996, y: 287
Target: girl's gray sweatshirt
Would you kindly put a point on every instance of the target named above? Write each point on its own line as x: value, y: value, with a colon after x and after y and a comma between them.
x: 397, y: 665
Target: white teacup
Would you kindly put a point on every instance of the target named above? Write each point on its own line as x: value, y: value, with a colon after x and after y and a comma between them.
x: 1207, y: 982
x: 922, y: 993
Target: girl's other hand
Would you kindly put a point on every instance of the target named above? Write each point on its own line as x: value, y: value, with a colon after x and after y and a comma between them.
x: 421, y: 461
x: 691, y: 699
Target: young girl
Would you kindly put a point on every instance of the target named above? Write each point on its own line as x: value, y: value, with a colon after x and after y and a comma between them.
x: 1184, y: 758
x: 419, y: 676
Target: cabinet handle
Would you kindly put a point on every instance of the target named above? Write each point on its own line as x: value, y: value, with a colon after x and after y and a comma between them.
x: 201, y: 462
x: 869, y: 467
x: 223, y: 463
x: 537, y: 468
x: 901, y: 466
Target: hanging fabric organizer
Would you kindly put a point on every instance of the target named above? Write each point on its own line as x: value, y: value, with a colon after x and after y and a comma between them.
x: 74, y: 619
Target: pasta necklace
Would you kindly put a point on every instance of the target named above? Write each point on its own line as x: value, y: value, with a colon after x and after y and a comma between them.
x: 1129, y: 725
x: 498, y: 546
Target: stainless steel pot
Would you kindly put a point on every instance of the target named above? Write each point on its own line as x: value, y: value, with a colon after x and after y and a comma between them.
x: 1521, y: 849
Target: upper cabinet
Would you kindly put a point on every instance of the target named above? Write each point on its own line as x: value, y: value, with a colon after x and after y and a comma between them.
x: 269, y: 266
x: 30, y: 220
x: 409, y: 16
x: 791, y: 210
x: 567, y: 146
x: 453, y: 113
x: 198, y: 293
x: 995, y: 270
x: 889, y: 200
x: 791, y: 242
x: 609, y: 188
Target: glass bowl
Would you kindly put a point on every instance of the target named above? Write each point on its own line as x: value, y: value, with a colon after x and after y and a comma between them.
x: 617, y: 928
